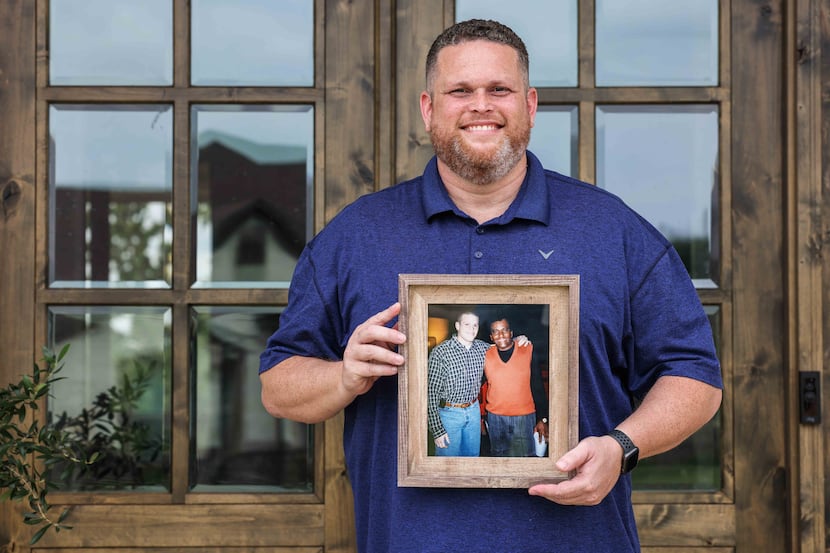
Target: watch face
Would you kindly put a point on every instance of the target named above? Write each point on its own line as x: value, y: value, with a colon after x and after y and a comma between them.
x: 630, y: 459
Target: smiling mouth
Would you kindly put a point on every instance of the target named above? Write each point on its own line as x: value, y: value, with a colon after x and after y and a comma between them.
x: 482, y: 128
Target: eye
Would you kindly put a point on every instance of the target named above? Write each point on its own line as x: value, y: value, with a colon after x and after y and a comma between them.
x: 459, y: 91
x: 500, y: 90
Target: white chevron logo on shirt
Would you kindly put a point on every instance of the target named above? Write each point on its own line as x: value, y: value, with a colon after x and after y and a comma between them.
x: 546, y: 255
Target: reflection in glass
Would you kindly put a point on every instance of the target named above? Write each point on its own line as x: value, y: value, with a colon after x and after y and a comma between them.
x: 550, y: 35
x: 656, y: 43
x: 115, y: 395
x: 554, y: 138
x: 251, y: 192
x: 237, y: 445
x: 694, y: 465
x: 252, y: 43
x: 110, y: 195
x: 111, y: 42
x: 663, y: 161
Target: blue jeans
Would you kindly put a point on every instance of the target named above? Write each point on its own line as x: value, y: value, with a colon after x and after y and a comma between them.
x: 511, y: 436
x: 463, y: 425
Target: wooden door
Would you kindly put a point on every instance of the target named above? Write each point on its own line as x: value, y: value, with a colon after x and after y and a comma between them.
x: 157, y: 75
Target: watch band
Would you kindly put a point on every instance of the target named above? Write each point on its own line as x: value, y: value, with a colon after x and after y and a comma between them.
x: 631, y: 452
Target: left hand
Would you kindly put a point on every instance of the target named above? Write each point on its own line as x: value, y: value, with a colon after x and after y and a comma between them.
x: 542, y: 429
x: 596, y: 460
x: 522, y: 341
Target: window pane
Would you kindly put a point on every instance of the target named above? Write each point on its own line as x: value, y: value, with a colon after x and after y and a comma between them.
x: 252, y: 174
x: 663, y: 161
x: 550, y: 36
x: 111, y: 42
x: 115, y: 395
x: 237, y: 444
x: 554, y: 138
x: 656, y: 43
x: 252, y: 43
x: 110, y: 195
x: 694, y: 465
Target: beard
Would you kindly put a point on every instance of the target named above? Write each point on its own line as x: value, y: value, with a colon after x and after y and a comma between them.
x: 476, y: 166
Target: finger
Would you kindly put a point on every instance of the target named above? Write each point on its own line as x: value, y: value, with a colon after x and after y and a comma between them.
x: 385, y: 316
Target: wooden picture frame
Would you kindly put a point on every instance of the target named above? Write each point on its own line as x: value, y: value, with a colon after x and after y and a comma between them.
x: 426, y: 299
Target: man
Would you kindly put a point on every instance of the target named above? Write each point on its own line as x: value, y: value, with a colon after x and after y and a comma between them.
x: 454, y: 379
x: 486, y: 205
x: 515, y: 401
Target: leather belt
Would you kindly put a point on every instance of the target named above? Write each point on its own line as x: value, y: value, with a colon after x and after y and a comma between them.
x: 460, y: 405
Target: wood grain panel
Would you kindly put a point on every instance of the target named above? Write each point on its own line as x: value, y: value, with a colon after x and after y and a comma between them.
x: 686, y: 525
x: 349, y: 98
x: 418, y: 23
x: 179, y: 526
x: 759, y: 314
x: 182, y: 550
x: 806, y: 233
x: 17, y: 205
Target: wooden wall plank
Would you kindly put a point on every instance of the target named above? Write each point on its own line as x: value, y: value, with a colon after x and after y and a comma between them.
x: 681, y: 525
x: 418, y: 23
x: 804, y: 152
x: 759, y: 324
x: 350, y: 115
x: 17, y: 206
x: 179, y: 526
x: 185, y: 550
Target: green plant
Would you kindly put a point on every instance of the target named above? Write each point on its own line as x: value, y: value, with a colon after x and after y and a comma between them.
x: 30, y: 449
x: 125, y: 448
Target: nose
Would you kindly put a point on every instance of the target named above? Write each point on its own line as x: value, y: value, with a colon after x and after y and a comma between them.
x: 480, y: 100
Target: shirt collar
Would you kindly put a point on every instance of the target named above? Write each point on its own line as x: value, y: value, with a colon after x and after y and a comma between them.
x: 532, y: 202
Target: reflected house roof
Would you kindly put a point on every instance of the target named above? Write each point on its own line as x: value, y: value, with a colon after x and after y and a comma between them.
x: 241, y: 179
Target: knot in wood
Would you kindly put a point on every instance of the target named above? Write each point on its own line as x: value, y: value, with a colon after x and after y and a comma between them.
x: 10, y: 197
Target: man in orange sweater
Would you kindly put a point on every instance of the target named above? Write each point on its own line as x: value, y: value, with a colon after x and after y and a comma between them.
x: 516, y: 402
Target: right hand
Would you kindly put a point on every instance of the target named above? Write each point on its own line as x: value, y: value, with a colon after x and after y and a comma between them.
x: 370, y: 352
x: 443, y: 441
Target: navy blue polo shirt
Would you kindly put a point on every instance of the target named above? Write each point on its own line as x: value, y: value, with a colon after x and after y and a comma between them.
x: 640, y: 318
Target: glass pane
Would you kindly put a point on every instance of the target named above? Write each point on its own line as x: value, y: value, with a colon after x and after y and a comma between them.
x: 252, y: 43
x: 656, y: 43
x: 663, y: 161
x: 550, y: 36
x: 554, y: 138
x: 252, y: 174
x: 115, y: 396
x: 110, y: 195
x: 237, y: 445
x: 111, y: 42
x: 694, y: 465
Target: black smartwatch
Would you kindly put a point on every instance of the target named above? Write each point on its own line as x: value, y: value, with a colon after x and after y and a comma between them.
x: 631, y: 453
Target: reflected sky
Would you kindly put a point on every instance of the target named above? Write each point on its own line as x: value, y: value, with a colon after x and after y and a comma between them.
x: 252, y: 42
x: 656, y: 43
x: 550, y: 36
x: 111, y: 42
x: 662, y: 160
x: 110, y: 147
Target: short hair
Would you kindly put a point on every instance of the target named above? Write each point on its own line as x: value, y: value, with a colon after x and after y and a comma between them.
x: 497, y: 319
x: 473, y: 313
x: 477, y: 29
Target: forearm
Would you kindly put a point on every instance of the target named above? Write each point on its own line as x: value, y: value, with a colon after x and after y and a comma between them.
x: 305, y: 389
x: 674, y: 409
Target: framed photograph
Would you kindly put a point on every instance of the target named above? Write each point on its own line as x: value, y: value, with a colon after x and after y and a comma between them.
x: 490, y: 361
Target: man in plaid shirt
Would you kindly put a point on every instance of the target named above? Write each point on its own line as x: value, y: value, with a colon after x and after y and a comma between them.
x: 454, y: 380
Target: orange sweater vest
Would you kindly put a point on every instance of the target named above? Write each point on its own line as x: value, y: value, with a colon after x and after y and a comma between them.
x: 508, y: 390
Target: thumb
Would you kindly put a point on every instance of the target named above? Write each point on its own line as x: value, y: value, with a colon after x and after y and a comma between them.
x: 574, y: 458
